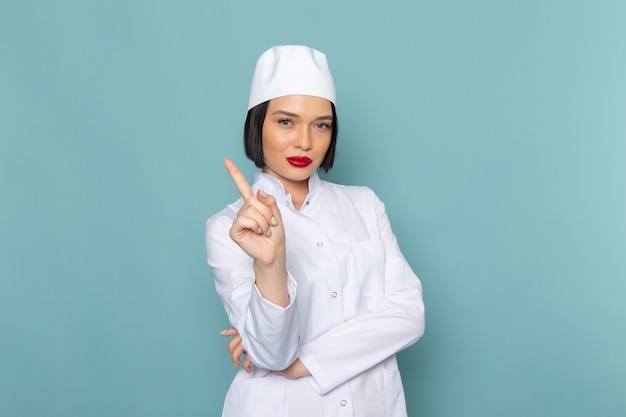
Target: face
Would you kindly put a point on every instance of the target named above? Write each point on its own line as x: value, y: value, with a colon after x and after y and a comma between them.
x: 296, y: 135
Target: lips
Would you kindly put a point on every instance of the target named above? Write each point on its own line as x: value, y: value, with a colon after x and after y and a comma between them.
x: 299, y: 161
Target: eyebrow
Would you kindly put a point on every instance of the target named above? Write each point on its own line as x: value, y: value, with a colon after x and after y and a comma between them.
x: 289, y: 114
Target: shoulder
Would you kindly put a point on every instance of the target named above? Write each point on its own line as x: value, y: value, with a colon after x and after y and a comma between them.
x: 223, y: 219
x: 219, y: 245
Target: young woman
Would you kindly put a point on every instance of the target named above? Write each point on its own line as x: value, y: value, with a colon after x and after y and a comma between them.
x: 318, y: 294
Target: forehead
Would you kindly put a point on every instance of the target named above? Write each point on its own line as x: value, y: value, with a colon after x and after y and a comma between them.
x: 301, y: 105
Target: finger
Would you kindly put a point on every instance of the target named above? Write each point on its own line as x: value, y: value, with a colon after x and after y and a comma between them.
x: 234, y: 343
x: 240, y: 181
x: 247, y: 364
x: 236, y: 361
x: 242, y: 225
x: 251, y: 214
x: 231, y: 331
x: 235, y: 355
x: 270, y: 202
x: 261, y: 208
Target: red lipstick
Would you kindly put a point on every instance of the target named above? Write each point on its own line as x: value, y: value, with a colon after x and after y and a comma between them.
x: 299, y: 161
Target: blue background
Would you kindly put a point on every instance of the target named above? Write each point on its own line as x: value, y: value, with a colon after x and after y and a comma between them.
x: 495, y: 131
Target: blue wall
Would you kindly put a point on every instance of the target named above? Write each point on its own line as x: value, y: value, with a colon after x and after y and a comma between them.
x: 495, y: 132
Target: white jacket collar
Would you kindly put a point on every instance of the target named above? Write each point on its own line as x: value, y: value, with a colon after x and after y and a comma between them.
x: 274, y: 187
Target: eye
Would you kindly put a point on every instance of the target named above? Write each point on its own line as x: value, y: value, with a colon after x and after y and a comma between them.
x: 285, y: 122
x: 323, y: 125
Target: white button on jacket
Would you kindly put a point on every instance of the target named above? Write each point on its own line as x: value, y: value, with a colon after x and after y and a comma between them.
x: 340, y: 244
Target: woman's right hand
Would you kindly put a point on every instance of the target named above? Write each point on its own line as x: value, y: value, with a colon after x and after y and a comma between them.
x: 258, y: 228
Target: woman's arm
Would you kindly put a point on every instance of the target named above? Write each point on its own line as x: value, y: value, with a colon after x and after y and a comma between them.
x: 246, y: 252
x: 258, y: 230
x: 386, y: 327
x: 236, y: 350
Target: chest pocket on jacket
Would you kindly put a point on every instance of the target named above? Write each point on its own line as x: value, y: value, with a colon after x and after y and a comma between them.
x: 364, y: 277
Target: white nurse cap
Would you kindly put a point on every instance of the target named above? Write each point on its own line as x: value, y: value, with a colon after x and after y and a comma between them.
x: 291, y: 69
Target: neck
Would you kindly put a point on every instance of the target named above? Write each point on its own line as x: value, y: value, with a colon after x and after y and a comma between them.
x: 298, y: 190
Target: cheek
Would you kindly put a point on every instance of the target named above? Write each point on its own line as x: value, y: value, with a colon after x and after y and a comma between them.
x: 326, y: 143
x: 267, y: 146
x: 275, y: 141
x: 270, y: 148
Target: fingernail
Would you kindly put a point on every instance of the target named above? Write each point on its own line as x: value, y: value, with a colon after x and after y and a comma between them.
x: 269, y: 232
x: 274, y: 221
x: 259, y: 230
x: 263, y: 194
x: 223, y: 331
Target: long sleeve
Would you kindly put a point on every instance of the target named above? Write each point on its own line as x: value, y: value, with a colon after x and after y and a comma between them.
x: 390, y: 322
x: 269, y: 332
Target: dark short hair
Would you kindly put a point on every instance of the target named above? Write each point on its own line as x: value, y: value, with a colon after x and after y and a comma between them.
x: 253, y: 137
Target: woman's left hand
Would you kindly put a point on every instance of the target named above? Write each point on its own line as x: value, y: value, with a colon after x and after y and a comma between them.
x: 235, y: 349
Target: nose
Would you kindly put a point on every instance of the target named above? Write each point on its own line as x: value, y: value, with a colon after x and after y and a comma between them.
x: 304, y: 140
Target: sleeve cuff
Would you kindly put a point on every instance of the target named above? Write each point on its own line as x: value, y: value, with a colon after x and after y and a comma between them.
x: 316, y: 380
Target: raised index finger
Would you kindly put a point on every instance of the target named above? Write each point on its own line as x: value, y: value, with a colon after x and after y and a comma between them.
x: 238, y: 178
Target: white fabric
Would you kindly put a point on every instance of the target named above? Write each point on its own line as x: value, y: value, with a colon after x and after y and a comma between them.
x: 355, y: 302
x: 290, y: 70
